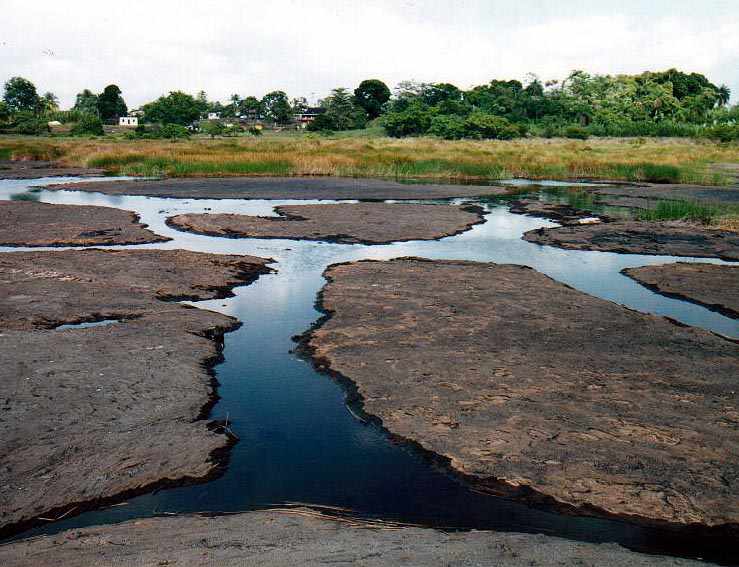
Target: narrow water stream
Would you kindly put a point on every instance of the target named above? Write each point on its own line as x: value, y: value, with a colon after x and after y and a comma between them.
x: 300, y: 443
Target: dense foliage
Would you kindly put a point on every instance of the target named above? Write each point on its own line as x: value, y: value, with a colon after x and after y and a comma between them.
x: 88, y: 125
x: 175, y: 108
x: 371, y: 95
x: 20, y: 95
x: 340, y: 112
x: 663, y: 104
x: 110, y: 103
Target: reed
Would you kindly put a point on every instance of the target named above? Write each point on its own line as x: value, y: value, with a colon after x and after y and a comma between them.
x: 661, y: 161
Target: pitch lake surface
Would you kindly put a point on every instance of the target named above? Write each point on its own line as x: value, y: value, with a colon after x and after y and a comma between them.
x: 299, y: 440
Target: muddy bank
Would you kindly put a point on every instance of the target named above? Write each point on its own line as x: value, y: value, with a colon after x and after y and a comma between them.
x: 93, y: 413
x: 30, y: 169
x: 529, y: 387
x: 669, y: 238
x: 282, y: 188
x: 367, y: 223
x: 303, y: 537
x: 26, y: 223
x: 713, y: 286
x: 558, y: 212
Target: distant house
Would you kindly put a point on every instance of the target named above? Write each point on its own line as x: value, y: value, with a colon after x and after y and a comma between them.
x: 302, y: 119
x: 214, y: 116
x: 132, y: 121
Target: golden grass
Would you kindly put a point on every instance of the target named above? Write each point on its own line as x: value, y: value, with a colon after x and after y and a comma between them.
x: 676, y: 160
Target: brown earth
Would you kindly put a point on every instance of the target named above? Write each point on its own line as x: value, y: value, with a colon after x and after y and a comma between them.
x: 95, y: 413
x: 669, y: 238
x: 298, y: 537
x: 531, y: 388
x: 713, y: 286
x: 29, y: 169
x: 282, y: 188
x: 27, y: 223
x: 368, y: 223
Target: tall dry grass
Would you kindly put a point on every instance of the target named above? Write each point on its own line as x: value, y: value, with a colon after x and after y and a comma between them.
x: 678, y: 161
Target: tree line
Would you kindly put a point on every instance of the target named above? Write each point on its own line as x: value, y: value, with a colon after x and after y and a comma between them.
x: 666, y: 103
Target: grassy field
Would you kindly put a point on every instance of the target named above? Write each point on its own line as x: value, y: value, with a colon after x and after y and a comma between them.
x: 367, y: 154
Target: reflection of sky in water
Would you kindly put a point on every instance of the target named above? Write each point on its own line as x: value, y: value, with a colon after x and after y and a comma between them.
x: 298, y: 442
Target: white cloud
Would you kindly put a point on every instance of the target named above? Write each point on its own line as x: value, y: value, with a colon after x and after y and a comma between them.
x: 308, y: 47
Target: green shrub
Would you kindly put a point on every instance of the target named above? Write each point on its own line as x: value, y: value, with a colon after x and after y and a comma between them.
x: 659, y: 173
x: 723, y: 132
x: 88, y: 125
x: 29, y: 124
x: 173, y: 132
x: 576, y: 132
x: 481, y: 125
x: 681, y: 210
x: 449, y: 127
x: 414, y: 120
x: 254, y: 131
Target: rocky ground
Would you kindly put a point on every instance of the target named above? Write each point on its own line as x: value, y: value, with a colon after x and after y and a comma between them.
x: 704, y: 193
x: 29, y: 169
x: 558, y: 212
x: 301, y: 537
x: 28, y: 223
x: 669, y: 238
x: 368, y: 223
x: 283, y: 188
x: 713, y: 286
x: 94, y: 413
x: 532, y: 388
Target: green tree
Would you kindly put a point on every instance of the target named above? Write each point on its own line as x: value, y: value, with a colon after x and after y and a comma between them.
x: 340, y: 113
x: 251, y: 107
x: 277, y: 107
x: 111, y: 104
x: 413, y: 120
x: 371, y: 95
x: 49, y: 102
x: 213, y: 128
x: 724, y: 95
x: 4, y: 111
x: 88, y: 125
x: 175, y: 108
x: 86, y: 101
x: 20, y: 95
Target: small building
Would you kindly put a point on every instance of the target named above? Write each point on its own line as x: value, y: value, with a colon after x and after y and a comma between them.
x: 130, y: 121
x: 214, y: 116
x: 305, y: 117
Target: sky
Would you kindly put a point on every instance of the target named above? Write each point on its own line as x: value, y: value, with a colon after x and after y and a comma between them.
x: 251, y: 47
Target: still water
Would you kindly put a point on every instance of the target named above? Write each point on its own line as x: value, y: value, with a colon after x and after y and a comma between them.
x: 301, y: 443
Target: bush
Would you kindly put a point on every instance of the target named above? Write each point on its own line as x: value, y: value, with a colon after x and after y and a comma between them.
x: 723, y: 132
x: 88, y: 125
x: 255, y: 131
x: 28, y: 124
x: 481, y: 125
x: 173, y: 132
x: 576, y: 133
x: 448, y: 127
x: 414, y: 120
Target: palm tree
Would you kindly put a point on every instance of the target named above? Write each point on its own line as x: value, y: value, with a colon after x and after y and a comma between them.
x: 723, y: 94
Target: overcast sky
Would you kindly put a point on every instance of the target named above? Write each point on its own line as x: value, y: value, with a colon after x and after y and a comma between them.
x: 305, y: 48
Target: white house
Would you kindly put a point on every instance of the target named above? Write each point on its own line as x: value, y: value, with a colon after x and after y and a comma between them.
x: 214, y: 116
x: 128, y: 121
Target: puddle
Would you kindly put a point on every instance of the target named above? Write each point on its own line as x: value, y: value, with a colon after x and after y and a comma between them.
x: 87, y: 325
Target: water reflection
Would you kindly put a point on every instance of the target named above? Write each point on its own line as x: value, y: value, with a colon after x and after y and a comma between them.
x: 298, y: 440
